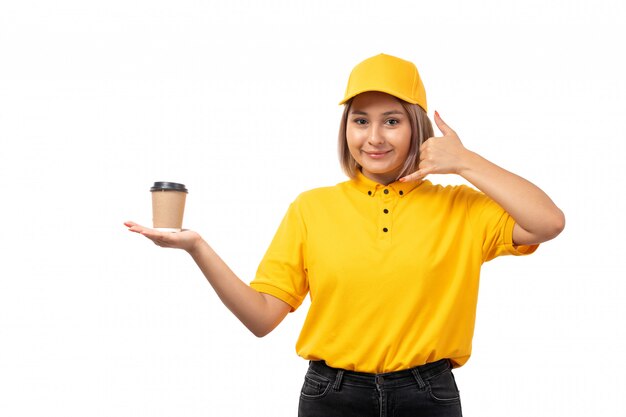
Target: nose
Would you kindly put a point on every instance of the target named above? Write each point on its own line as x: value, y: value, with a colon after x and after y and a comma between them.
x: 376, y: 137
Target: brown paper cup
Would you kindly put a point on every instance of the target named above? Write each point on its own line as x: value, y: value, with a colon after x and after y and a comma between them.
x: 168, y: 206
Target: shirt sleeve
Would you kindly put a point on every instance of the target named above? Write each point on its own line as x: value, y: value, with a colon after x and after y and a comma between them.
x: 282, y: 271
x: 495, y: 226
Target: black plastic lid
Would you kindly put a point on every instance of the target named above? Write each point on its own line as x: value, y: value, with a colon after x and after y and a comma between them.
x: 168, y: 186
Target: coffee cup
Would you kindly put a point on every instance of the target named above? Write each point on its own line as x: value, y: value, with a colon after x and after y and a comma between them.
x: 168, y: 206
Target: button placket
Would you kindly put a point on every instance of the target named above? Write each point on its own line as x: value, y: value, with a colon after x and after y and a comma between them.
x: 387, y: 202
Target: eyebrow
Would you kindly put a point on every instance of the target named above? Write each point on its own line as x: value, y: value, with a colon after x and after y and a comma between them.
x: 387, y: 113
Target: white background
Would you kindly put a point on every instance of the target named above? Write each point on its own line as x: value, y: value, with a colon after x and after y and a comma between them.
x: 238, y: 100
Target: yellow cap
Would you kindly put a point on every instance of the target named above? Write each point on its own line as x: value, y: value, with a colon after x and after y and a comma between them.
x: 390, y: 75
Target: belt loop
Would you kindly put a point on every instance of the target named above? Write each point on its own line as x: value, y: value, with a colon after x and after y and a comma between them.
x: 420, y: 382
x: 337, y: 383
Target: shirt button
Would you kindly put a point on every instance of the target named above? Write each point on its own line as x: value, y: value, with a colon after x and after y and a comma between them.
x: 386, y: 191
x: 401, y: 192
x: 385, y: 211
x: 385, y: 229
x: 369, y: 193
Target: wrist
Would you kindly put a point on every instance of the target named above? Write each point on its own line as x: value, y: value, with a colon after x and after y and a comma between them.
x: 469, y: 162
x: 195, y: 245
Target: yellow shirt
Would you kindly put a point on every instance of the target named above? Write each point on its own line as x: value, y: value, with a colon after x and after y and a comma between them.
x: 392, y: 271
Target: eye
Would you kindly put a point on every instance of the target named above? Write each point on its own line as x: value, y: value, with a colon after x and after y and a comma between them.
x: 392, y: 122
x: 360, y: 121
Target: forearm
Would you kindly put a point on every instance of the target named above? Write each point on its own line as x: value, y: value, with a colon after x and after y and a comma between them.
x: 247, y: 304
x: 529, y: 206
x: 537, y: 218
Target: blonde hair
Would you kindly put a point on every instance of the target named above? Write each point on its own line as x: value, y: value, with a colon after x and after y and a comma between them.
x: 421, y: 129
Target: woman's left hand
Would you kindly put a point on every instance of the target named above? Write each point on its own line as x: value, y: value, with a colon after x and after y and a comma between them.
x: 537, y: 218
x: 440, y: 154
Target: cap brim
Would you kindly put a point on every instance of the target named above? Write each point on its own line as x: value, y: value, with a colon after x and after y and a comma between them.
x: 391, y: 93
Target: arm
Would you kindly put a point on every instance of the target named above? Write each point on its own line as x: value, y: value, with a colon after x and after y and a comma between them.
x: 536, y: 216
x: 259, y: 312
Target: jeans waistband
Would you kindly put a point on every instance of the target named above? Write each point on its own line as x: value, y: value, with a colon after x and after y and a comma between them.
x: 419, y: 374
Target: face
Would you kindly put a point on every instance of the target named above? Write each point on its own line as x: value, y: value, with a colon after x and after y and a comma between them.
x: 379, y: 135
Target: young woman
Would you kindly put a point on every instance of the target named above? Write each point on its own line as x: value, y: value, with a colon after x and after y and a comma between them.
x: 391, y: 262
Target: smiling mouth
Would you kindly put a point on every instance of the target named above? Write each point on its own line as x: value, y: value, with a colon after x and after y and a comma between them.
x: 376, y: 154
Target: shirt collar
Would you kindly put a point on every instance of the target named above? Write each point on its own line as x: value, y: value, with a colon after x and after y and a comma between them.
x: 370, y: 187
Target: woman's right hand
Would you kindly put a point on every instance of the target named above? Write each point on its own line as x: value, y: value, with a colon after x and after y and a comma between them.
x: 259, y: 312
x: 187, y: 240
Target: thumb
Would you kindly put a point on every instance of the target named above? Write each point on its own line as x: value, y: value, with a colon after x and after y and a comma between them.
x: 443, y: 127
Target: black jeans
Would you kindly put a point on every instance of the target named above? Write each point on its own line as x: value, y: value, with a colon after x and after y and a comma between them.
x: 428, y: 390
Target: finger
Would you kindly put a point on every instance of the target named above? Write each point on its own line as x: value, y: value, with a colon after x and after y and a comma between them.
x: 416, y: 176
x: 426, y: 144
x: 151, y: 233
x: 443, y: 127
x: 158, y: 238
x: 133, y: 227
x: 428, y: 141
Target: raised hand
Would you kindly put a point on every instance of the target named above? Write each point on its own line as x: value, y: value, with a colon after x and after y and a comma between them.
x: 440, y: 154
x: 537, y: 218
x: 186, y: 239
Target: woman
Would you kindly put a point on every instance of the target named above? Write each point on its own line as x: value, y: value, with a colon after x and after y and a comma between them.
x: 391, y: 261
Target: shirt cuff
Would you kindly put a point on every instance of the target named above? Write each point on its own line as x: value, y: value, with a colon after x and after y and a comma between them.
x: 512, y: 249
x: 278, y: 293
